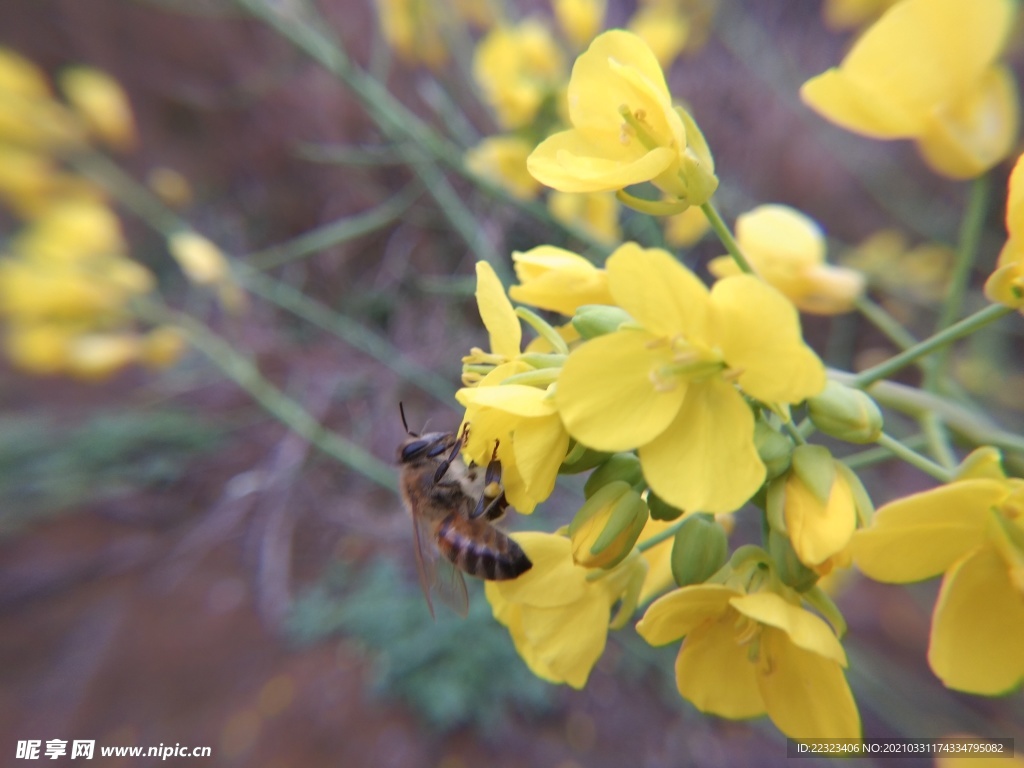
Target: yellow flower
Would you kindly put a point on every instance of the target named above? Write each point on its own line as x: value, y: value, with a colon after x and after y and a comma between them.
x: 745, y: 655
x: 205, y: 264
x: 595, y: 212
x: 101, y: 103
x: 920, y: 274
x: 580, y: 20
x: 625, y: 129
x: 557, y: 616
x: 29, y: 115
x: 415, y: 30
x: 1006, y: 284
x: 558, y: 280
x: 30, y: 182
x: 659, y: 561
x: 518, y: 68
x: 502, y: 159
x: 663, y: 28
x: 504, y: 332
x: 971, y: 530
x: 523, y: 425
x: 787, y: 249
x: 927, y: 71
x: 667, y: 384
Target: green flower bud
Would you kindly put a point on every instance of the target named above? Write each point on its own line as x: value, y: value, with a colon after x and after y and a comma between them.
x: 774, y: 448
x: 593, y: 320
x: 619, y: 466
x: 662, y: 510
x: 846, y: 413
x: 700, y: 548
x: 607, y: 526
x: 787, y: 565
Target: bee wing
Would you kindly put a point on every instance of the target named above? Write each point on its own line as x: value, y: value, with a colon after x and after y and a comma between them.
x: 437, y: 574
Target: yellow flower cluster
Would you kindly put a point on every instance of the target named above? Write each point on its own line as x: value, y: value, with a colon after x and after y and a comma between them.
x: 677, y: 396
x: 66, y: 281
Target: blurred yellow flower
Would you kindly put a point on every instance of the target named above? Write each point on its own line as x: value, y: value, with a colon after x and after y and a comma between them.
x: 205, y: 264
x: 415, y: 30
x: 787, y: 249
x: 972, y: 531
x: 101, y: 103
x: 29, y: 115
x: 1006, y: 284
x: 558, y: 280
x: 927, y: 71
x: 850, y: 14
x: 518, y: 68
x: 595, y: 212
x: 502, y: 159
x: 557, y: 616
x: 625, y: 129
x: 670, y: 383
x: 687, y: 228
x: 745, y: 655
x: 663, y: 27
x: 580, y: 20
x: 920, y: 274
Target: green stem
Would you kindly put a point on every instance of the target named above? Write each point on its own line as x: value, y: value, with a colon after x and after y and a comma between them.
x: 965, y: 327
x: 725, y: 235
x: 243, y: 372
x: 914, y: 458
x: 938, y: 439
x: 970, y: 235
x: 885, y: 322
x: 876, y: 455
x: 661, y: 536
x: 974, y: 427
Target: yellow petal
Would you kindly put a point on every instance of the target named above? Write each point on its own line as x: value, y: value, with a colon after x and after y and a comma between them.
x: 714, y: 672
x: 569, y: 162
x: 1015, y: 199
x: 496, y: 311
x: 519, y: 400
x: 567, y: 642
x: 554, y: 580
x: 540, y: 446
x: 806, y: 694
x: 558, y: 280
x: 918, y: 56
x: 801, y: 627
x: 977, y: 131
x: 759, y: 334
x: 660, y: 293
x: 683, y: 610
x: 978, y: 626
x: 102, y: 103
x: 922, y: 535
x: 605, y: 395
x: 706, y: 460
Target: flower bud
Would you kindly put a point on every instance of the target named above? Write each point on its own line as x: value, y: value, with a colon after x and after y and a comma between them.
x: 593, y: 320
x: 607, y: 526
x: 623, y: 467
x: 774, y: 448
x: 787, y: 565
x: 846, y: 413
x: 700, y: 548
x: 661, y: 509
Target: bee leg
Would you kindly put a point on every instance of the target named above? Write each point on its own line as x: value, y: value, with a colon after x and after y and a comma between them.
x: 442, y: 468
x: 491, y: 505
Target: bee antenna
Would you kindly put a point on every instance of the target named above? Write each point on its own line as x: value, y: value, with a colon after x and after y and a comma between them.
x: 401, y: 410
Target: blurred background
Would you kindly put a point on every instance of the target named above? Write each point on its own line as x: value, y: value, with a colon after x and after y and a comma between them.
x: 176, y: 566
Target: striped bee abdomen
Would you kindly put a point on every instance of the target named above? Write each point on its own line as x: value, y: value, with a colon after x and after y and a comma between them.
x: 480, y: 549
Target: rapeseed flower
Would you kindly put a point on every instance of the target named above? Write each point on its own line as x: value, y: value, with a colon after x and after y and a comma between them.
x: 746, y: 654
x: 1006, y: 284
x: 671, y: 384
x: 580, y: 20
x: 502, y: 159
x: 972, y: 532
x: 927, y: 70
x: 597, y: 213
x: 559, y: 615
x: 787, y: 249
x: 558, y: 280
x: 625, y: 129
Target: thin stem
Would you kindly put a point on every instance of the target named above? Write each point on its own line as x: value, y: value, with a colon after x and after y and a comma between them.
x: 885, y: 322
x: 725, y: 235
x: 876, y: 455
x: 243, y: 372
x: 914, y: 458
x: 661, y: 536
x: 938, y: 439
x: 967, y: 247
x: 965, y: 327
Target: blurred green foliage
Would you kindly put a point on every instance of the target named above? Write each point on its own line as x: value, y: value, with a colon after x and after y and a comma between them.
x: 452, y: 673
x: 45, y: 468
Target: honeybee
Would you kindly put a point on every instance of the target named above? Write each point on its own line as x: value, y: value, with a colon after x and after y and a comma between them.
x: 453, y: 505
